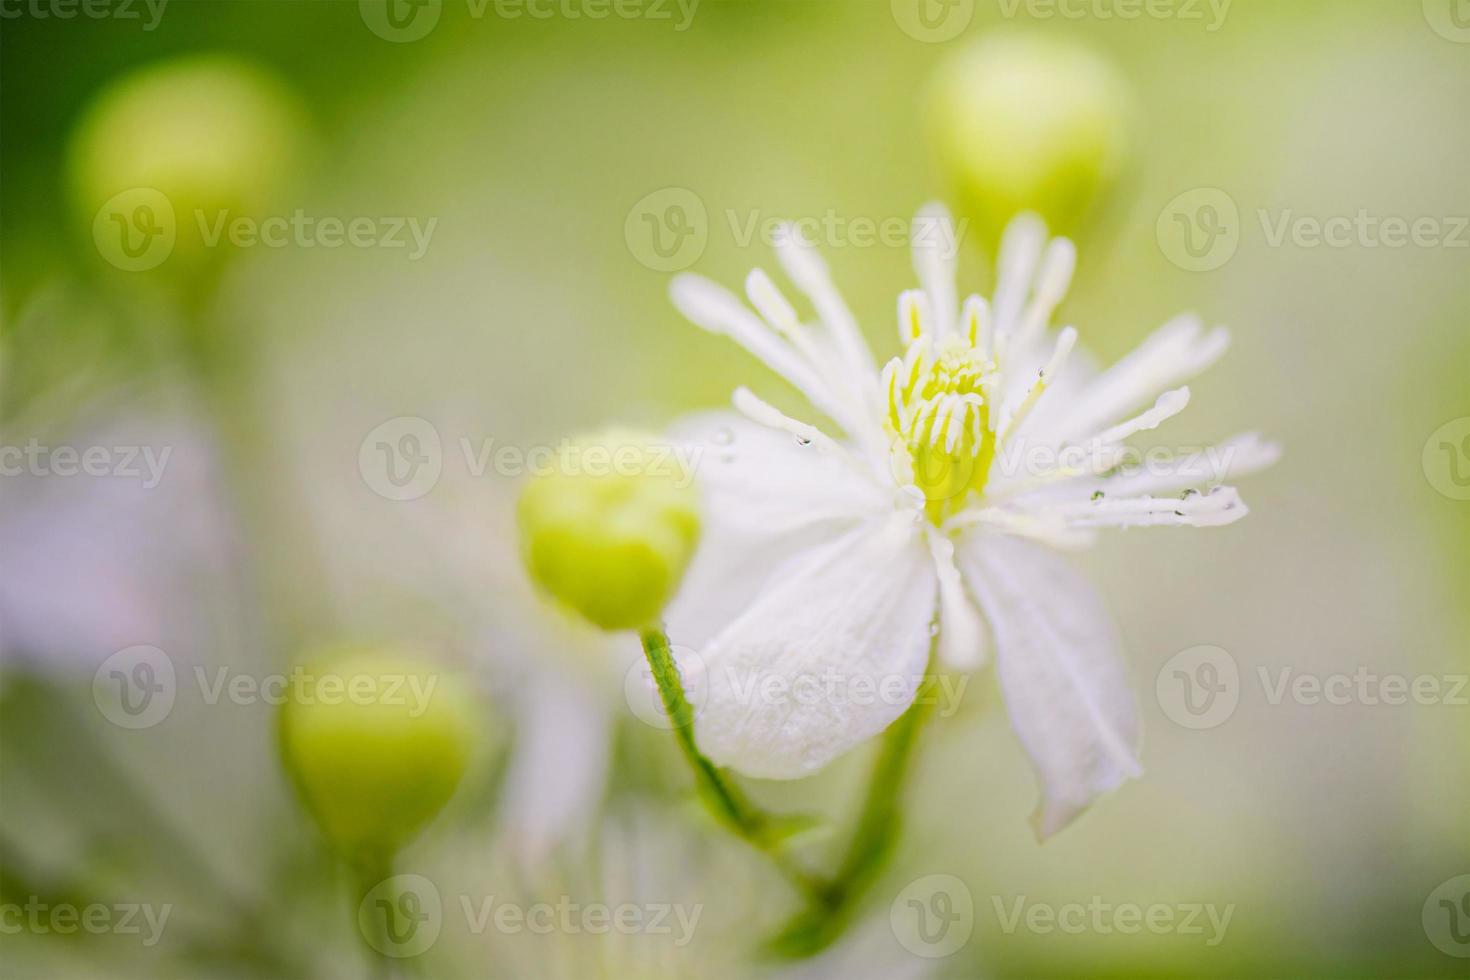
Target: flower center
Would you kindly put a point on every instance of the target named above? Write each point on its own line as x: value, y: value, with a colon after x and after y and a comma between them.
x: 939, y: 398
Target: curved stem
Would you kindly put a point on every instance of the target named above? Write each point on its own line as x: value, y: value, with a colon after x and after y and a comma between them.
x: 831, y: 902
x: 725, y: 799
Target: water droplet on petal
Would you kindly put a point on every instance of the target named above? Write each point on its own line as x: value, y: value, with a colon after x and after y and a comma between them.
x: 933, y: 629
x: 724, y: 437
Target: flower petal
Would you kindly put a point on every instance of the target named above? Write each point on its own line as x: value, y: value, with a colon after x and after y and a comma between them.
x: 962, y: 640
x: 829, y: 655
x: 1057, y: 659
x: 1175, y: 352
x: 558, y: 766
x: 765, y: 498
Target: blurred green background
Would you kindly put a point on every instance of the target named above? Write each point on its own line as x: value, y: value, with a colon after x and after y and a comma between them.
x: 533, y: 312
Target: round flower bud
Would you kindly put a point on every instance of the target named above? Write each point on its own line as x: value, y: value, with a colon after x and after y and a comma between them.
x: 194, y: 140
x: 610, y: 531
x: 376, y: 743
x: 1029, y: 124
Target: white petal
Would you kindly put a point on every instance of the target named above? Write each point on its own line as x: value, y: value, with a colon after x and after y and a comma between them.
x: 1236, y: 457
x: 764, y: 498
x: 1221, y: 506
x: 809, y: 272
x: 1175, y: 352
x: 1020, y: 251
x: 962, y: 641
x: 1057, y: 660
x: 762, y: 481
x: 829, y: 655
x: 934, y: 263
x: 719, y: 311
x: 558, y: 767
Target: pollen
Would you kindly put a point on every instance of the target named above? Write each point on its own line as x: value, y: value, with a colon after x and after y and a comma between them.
x: 939, y: 397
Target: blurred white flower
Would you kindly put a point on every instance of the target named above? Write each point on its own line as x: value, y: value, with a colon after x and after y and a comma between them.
x: 92, y: 562
x: 965, y: 460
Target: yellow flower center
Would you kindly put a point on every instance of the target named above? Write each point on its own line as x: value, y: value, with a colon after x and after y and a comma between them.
x: 939, y: 399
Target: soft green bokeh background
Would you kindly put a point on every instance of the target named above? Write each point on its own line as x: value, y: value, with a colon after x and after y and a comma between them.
x: 530, y: 316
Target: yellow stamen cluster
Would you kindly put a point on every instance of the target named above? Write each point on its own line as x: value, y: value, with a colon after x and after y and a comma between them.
x: 938, y: 410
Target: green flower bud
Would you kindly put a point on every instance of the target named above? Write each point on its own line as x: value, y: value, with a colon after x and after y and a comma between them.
x: 376, y: 743
x: 1029, y: 124
x: 610, y: 532
x: 187, y: 140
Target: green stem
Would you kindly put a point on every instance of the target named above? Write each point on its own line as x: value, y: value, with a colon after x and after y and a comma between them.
x: 366, y: 874
x: 731, y: 806
x: 873, y: 840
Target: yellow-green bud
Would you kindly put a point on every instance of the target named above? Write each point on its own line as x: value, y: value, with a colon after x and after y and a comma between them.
x: 1029, y: 124
x: 610, y: 531
x: 187, y: 140
x: 376, y: 743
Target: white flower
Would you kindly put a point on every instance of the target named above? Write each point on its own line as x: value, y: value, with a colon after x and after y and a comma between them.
x: 962, y: 464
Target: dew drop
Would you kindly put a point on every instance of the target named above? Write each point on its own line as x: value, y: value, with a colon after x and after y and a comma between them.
x: 803, y: 441
x: 724, y: 437
x: 933, y: 629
